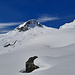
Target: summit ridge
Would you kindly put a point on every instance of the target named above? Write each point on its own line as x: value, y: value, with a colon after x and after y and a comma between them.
x: 29, y: 24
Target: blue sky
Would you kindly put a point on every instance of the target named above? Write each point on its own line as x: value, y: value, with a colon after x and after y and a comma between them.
x: 52, y: 13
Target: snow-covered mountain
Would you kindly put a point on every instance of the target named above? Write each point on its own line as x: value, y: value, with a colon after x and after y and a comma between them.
x: 68, y: 25
x: 55, y: 49
x: 23, y: 33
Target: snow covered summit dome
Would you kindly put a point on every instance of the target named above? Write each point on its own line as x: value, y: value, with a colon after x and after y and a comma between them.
x: 29, y: 24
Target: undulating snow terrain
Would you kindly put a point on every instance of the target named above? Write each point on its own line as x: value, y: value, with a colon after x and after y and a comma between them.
x: 55, y: 49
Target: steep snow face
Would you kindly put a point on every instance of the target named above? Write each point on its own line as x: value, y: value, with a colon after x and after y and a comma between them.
x: 29, y: 24
x: 68, y: 25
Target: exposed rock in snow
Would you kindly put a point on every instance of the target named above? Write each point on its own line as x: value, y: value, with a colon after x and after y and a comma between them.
x: 8, y: 44
x: 30, y: 66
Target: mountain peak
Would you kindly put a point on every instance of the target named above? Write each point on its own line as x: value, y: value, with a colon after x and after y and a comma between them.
x: 29, y: 24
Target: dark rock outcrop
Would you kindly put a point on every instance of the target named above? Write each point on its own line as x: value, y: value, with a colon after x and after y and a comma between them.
x: 30, y: 66
x: 22, y: 29
x: 8, y: 44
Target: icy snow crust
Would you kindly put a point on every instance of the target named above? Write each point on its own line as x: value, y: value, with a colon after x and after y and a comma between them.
x: 55, y: 50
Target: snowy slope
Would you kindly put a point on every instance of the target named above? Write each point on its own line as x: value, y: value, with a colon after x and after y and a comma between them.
x: 55, y: 50
x: 68, y: 25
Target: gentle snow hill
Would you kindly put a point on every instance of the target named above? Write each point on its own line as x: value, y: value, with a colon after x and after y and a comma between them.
x: 55, y: 50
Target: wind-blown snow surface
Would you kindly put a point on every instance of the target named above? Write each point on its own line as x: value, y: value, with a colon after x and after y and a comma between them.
x: 55, y: 50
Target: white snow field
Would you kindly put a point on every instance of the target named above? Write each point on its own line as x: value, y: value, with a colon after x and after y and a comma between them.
x: 55, y: 50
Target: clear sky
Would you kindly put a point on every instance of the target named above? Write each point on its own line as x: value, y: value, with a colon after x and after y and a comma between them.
x: 52, y: 13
